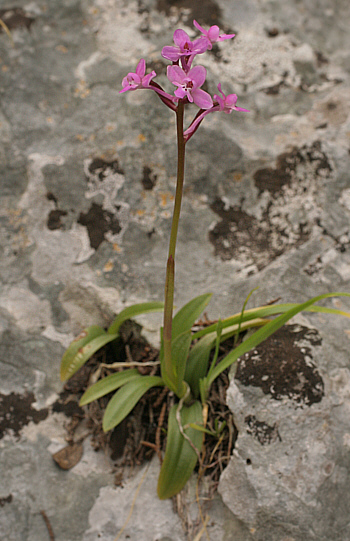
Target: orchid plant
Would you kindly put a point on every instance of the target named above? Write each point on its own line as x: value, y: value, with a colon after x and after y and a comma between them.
x: 185, y: 365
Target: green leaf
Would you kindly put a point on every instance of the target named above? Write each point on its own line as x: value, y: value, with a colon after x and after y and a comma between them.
x: 264, y: 332
x: 71, y: 361
x: 126, y: 398
x: 179, y: 354
x: 202, y: 429
x: 217, y: 345
x: 84, y: 354
x: 180, y: 458
x: 187, y: 315
x: 132, y: 311
x: 198, y: 360
x: 107, y: 385
x: 270, y: 310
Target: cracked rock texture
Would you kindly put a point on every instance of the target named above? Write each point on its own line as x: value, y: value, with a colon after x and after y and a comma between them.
x: 86, y: 192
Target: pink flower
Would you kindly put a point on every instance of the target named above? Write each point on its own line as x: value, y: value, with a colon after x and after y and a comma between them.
x: 136, y: 80
x: 212, y: 35
x: 184, y: 46
x: 188, y: 85
x: 227, y: 104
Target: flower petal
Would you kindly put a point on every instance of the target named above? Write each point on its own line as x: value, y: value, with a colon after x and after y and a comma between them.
x: 202, y: 99
x: 171, y: 53
x: 220, y: 101
x: 198, y: 75
x: 148, y: 78
x: 199, y: 27
x: 141, y: 68
x: 200, y: 45
x: 213, y: 33
x: 241, y: 109
x: 181, y: 38
x: 225, y: 36
x: 231, y: 100
x: 175, y: 74
x: 180, y: 92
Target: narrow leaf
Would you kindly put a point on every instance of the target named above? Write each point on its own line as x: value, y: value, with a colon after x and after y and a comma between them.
x: 107, y: 385
x: 270, y: 310
x: 126, y: 398
x: 180, y: 458
x: 197, y: 362
x: 217, y: 345
x: 202, y: 429
x: 198, y: 359
x: 264, y: 332
x: 85, y: 352
x: 68, y: 359
x: 243, y: 309
x: 179, y: 354
x: 187, y: 315
x: 132, y: 311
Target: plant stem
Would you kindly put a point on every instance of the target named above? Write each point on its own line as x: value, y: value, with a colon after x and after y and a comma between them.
x: 169, y: 374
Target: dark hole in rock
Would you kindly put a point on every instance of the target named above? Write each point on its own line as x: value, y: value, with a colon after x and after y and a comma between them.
x: 321, y: 59
x: 15, y: 18
x: 283, y: 368
x: 331, y: 105
x: 6, y: 499
x: 16, y: 411
x: 272, y: 32
x: 149, y: 179
x: 263, y: 432
x: 274, y: 90
x: 205, y: 12
x: 102, y: 168
x: 98, y: 222
x: 54, y: 219
x: 51, y: 197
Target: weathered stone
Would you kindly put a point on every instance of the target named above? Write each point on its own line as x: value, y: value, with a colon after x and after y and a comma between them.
x: 87, y: 182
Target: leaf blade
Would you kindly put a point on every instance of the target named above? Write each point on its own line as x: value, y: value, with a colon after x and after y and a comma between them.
x: 124, y: 400
x: 187, y: 315
x: 266, y: 331
x: 107, y: 385
x: 180, y: 348
x: 198, y: 361
x: 180, y: 458
x: 269, y: 310
x: 132, y: 311
x: 86, y: 336
x: 85, y: 352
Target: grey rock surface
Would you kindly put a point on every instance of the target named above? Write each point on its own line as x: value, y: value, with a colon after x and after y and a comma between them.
x: 86, y: 191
